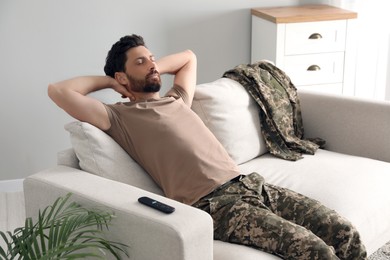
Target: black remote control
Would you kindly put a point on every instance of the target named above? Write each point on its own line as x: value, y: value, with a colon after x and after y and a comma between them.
x: 156, y: 205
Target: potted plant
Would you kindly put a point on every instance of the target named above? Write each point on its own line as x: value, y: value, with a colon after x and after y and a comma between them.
x: 62, y: 231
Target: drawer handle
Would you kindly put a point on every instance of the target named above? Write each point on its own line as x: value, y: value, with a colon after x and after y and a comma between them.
x: 314, y: 68
x: 315, y: 36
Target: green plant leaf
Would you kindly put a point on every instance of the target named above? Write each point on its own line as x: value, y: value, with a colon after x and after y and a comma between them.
x: 64, y: 230
x: 5, y: 239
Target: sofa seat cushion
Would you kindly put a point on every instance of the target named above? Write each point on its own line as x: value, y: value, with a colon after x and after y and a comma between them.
x: 229, y: 251
x: 356, y: 187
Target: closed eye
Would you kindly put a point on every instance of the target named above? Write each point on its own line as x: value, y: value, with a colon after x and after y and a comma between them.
x: 142, y: 60
x: 139, y: 61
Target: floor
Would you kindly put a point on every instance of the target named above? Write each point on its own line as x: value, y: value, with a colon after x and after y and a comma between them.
x: 12, y: 213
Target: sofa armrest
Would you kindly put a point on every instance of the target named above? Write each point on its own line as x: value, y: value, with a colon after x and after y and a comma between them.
x: 187, y: 233
x: 349, y: 125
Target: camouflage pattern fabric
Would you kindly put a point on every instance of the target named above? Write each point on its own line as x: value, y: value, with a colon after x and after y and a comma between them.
x: 279, y: 221
x: 280, y: 113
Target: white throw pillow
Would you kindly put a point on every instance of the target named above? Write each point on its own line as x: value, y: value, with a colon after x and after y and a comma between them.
x: 232, y: 116
x: 99, y: 154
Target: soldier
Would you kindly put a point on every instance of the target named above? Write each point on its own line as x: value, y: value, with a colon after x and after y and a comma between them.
x: 185, y: 159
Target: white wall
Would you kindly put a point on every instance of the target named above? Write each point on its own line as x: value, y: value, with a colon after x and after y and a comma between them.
x: 44, y: 41
x: 372, y: 78
x: 372, y: 70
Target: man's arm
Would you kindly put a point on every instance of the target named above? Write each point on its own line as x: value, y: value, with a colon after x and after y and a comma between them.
x: 183, y: 66
x: 71, y: 96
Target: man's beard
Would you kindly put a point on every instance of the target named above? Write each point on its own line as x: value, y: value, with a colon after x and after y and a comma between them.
x: 147, y: 85
x: 152, y: 87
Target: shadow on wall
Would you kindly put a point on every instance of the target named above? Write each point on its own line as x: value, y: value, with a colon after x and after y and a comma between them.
x: 387, y: 96
x: 221, y: 41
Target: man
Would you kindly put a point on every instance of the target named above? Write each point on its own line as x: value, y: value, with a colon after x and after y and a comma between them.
x: 185, y: 159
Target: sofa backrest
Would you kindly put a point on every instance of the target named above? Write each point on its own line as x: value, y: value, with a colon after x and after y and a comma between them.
x: 224, y: 106
x: 68, y: 158
x: 232, y: 115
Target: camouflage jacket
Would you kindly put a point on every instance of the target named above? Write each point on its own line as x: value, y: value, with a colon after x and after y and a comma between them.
x: 279, y: 109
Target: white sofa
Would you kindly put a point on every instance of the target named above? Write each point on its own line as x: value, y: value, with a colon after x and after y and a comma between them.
x: 352, y: 174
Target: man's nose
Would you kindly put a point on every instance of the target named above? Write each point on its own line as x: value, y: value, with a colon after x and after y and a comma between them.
x: 152, y: 65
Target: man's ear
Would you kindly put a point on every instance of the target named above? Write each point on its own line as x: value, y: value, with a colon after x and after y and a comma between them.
x: 121, y: 78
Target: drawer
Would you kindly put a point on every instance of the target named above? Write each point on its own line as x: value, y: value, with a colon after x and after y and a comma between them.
x: 324, y: 68
x: 315, y: 37
x: 336, y: 88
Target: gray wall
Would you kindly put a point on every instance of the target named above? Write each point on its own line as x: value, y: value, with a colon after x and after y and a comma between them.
x: 44, y: 41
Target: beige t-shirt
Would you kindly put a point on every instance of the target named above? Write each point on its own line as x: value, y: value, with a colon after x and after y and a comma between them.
x: 173, y: 145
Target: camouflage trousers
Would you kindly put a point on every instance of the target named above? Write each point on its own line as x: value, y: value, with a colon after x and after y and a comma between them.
x: 276, y: 220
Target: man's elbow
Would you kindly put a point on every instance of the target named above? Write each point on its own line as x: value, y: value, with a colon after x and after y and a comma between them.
x: 191, y: 59
x: 53, y: 91
x: 191, y: 55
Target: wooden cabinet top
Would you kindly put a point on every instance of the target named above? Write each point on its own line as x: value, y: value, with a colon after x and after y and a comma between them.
x: 304, y: 13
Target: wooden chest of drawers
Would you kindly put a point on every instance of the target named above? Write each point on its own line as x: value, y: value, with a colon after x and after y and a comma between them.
x: 313, y: 44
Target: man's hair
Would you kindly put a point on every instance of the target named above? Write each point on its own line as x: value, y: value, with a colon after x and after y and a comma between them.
x: 116, y: 57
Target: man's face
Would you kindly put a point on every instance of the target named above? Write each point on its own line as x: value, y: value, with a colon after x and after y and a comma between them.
x: 141, y: 71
